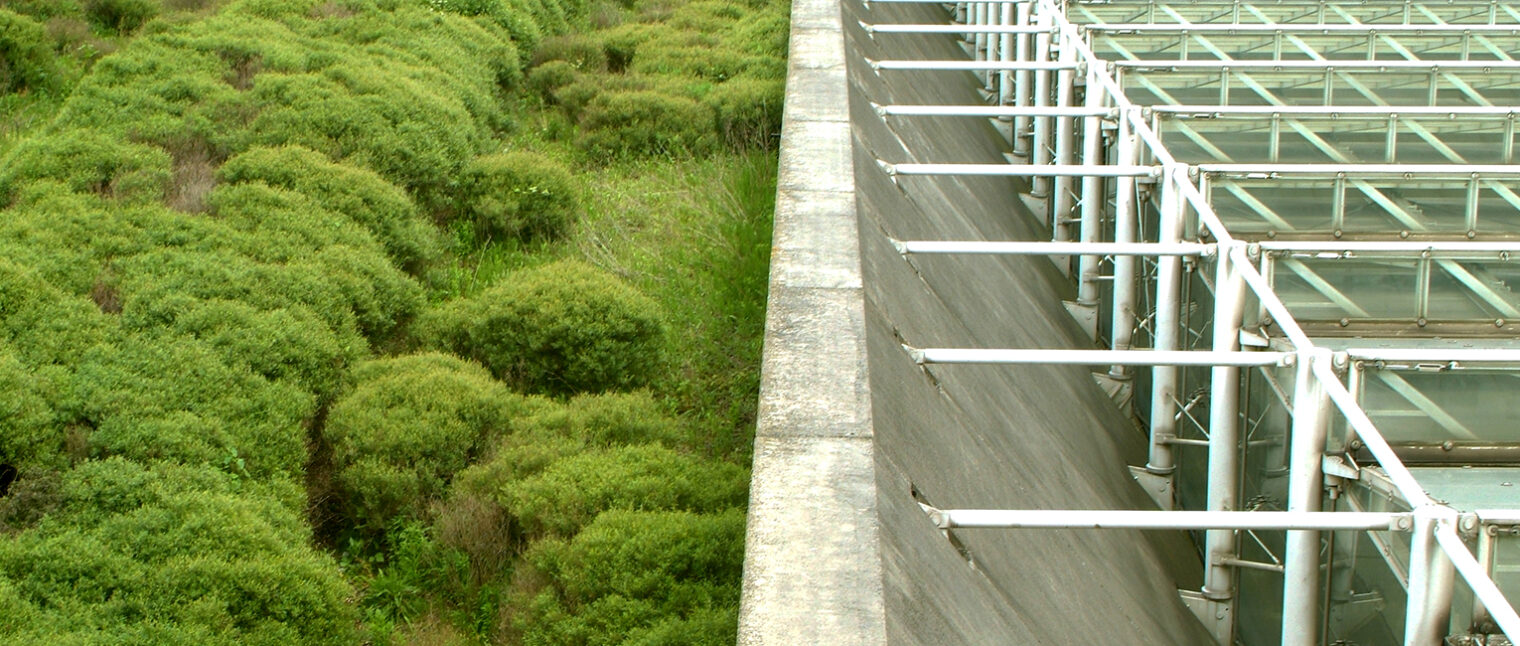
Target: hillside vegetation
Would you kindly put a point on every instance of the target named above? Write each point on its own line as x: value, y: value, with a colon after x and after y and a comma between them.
x: 380, y: 321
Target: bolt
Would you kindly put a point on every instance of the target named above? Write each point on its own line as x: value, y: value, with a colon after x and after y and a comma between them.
x: 1498, y: 322
x: 1420, y: 321
x: 1345, y: 322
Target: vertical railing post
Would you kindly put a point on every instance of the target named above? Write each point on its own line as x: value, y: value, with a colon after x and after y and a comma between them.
x: 1311, y: 425
x: 1091, y: 220
x: 1431, y: 578
x: 1043, y: 127
x: 1061, y: 201
x: 1023, y: 94
x: 1224, y: 420
x: 1005, y: 54
x: 1126, y: 230
x: 1163, y: 415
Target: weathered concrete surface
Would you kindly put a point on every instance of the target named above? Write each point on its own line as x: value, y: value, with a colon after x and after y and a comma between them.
x: 851, y: 431
x: 812, y: 573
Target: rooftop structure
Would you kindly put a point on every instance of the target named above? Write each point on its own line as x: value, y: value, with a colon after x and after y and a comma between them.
x: 1289, y: 235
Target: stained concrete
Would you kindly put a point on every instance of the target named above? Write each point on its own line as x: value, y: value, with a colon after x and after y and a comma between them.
x: 852, y: 435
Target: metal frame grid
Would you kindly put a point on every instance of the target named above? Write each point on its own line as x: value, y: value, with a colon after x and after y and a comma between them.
x: 1220, y: 179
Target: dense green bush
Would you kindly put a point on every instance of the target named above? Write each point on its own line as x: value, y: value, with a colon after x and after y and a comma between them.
x: 561, y: 328
x: 621, y: 124
x: 89, y: 162
x: 637, y: 577
x: 408, y: 425
x: 168, y: 554
x: 26, y: 55
x: 551, y: 76
x: 749, y: 111
x: 356, y: 193
x: 581, y: 51
x: 570, y: 492
x: 121, y: 16
x: 518, y: 195
x: 30, y: 435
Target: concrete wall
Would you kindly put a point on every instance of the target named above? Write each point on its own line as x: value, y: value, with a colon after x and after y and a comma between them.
x: 851, y: 430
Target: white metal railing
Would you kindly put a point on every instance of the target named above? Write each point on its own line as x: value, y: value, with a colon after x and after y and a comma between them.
x: 1029, y: 56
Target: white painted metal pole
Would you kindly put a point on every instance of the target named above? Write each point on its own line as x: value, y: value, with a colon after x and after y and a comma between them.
x: 1061, y: 202
x: 1092, y: 192
x: 1417, y: 628
x: 1005, y: 54
x: 1311, y: 424
x: 999, y: 356
x: 1224, y: 424
x: 1126, y: 226
x: 1023, y: 94
x: 1499, y: 608
x: 1163, y: 418
x: 978, y: 38
x: 1043, y: 128
x: 1133, y: 519
x: 1050, y: 248
x: 1017, y: 170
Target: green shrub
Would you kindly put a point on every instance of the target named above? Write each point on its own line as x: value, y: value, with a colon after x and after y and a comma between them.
x: 749, y: 111
x: 518, y: 195
x: 26, y: 55
x: 89, y: 162
x: 408, y: 425
x: 561, y: 328
x: 581, y: 51
x: 546, y: 79
x: 356, y: 193
x: 30, y: 434
x: 121, y: 16
x: 621, y: 124
x: 638, y: 577
x: 160, y: 396
x: 166, y: 554
x: 572, y: 491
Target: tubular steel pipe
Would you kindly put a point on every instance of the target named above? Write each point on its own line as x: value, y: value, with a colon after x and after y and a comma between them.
x: 1092, y: 192
x: 1126, y: 230
x: 900, y: 28
x: 1051, y: 248
x: 1163, y: 417
x: 1043, y: 128
x: 999, y: 356
x: 988, y: 111
x: 1224, y: 425
x: 1061, y: 201
x: 1022, y: 94
x: 1005, y: 53
x: 1500, y: 609
x: 968, y: 66
x: 1311, y: 425
x: 1229, y: 521
x: 1019, y: 170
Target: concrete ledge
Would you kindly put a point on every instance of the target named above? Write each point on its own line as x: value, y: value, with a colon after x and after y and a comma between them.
x: 812, y: 564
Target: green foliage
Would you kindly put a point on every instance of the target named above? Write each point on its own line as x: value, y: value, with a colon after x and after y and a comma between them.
x: 549, y: 77
x: 121, y: 16
x: 89, y: 162
x: 166, y: 554
x: 30, y: 434
x: 749, y: 112
x: 518, y: 195
x: 412, y: 564
x: 581, y: 51
x: 638, y: 577
x: 570, y: 492
x: 26, y: 57
x: 408, y: 425
x: 561, y: 328
x: 622, y: 124
x: 159, y: 396
x: 353, y: 192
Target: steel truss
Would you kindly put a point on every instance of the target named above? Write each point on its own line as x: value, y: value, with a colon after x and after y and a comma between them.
x: 1221, y: 178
